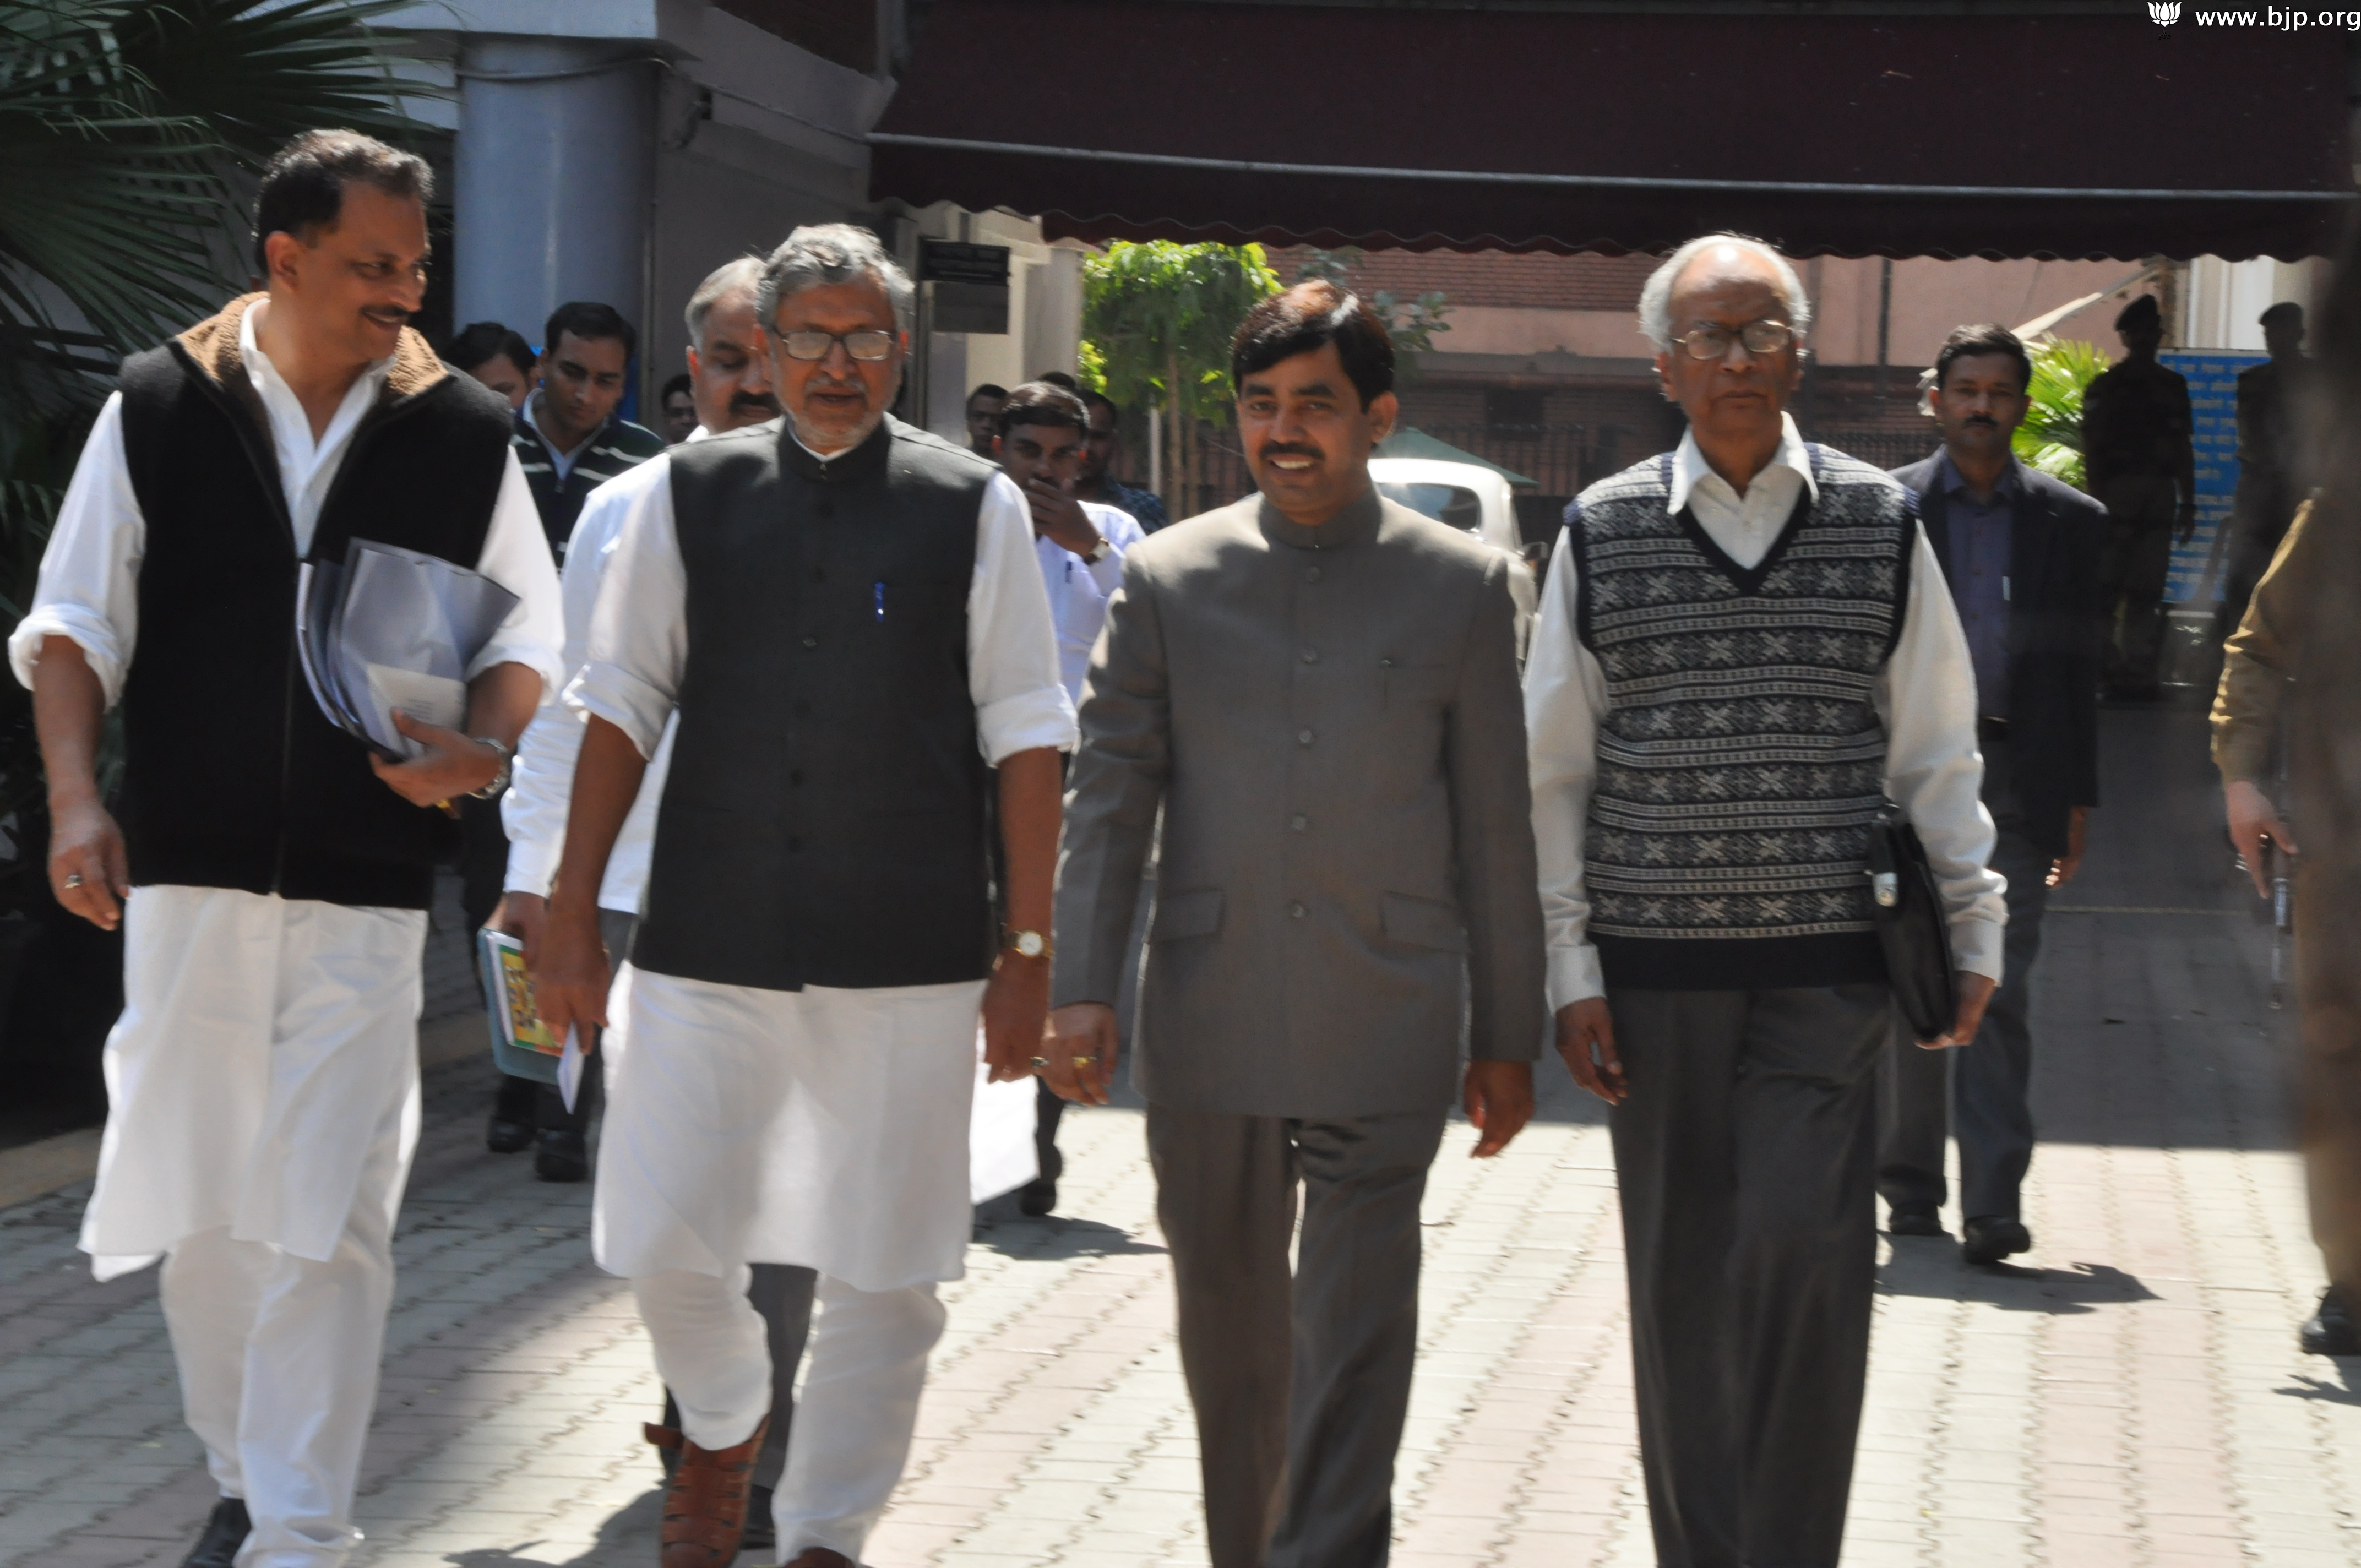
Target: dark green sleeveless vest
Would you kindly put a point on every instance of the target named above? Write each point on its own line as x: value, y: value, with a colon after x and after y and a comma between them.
x: 825, y: 819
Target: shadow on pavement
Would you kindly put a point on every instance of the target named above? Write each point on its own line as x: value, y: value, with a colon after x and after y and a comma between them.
x: 1056, y: 1239
x: 630, y: 1533
x: 1931, y: 1268
x: 2340, y: 1391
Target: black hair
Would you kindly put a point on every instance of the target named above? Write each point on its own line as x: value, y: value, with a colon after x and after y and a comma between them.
x: 2286, y: 310
x: 1967, y: 342
x: 589, y: 320
x: 1044, y: 402
x: 480, y: 342
x: 2143, y: 311
x: 1304, y: 319
x: 302, y: 188
x: 1060, y: 378
x: 680, y: 383
x: 1101, y: 400
x: 989, y: 390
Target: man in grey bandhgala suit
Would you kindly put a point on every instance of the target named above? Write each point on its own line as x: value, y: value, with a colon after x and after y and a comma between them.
x: 1319, y: 688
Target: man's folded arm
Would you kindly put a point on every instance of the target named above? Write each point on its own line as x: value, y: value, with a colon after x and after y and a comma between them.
x: 1492, y: 827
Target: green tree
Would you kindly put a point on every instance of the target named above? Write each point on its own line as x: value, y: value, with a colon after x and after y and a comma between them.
x: 1411, y: 324
x: 1156, y: 321
x: 2050, y: 439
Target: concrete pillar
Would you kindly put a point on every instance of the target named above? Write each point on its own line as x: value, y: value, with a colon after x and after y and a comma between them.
x: 555, y: 173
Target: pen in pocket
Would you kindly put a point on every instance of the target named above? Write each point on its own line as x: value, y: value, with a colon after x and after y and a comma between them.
x: 879, y: 596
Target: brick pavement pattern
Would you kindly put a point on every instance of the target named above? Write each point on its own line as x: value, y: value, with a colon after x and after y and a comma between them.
x: 2133, y: 1395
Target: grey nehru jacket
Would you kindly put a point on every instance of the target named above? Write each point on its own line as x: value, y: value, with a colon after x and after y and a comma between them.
x: 1331, y: 721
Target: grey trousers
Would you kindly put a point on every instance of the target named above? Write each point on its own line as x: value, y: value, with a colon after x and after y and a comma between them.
x: 1300, y: 1383
x: 1744, y: 1158
x: 1986, y: 1083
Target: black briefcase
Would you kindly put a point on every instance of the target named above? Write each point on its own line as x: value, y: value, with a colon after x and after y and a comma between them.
x: 1911, y: 926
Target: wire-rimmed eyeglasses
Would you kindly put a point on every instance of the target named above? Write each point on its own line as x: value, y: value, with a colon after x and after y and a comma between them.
x: 1760, y: 337
x: 870, y: 344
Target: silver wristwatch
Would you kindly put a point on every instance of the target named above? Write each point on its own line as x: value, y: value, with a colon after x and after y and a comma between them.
x: 508, y: 767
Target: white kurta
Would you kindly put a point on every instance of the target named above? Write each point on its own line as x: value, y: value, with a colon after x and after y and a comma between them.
x: 822, y: 1127
x: 1925, y: 696
x: 261, y: 1039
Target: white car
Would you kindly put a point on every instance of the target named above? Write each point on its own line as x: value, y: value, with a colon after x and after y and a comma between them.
x: 1471, y: 497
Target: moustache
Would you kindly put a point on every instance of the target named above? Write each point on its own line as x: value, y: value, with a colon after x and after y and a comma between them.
x: 1986, y: 421
x: 1283, y: 449
x: 388, y: 315
x: 754, y: 402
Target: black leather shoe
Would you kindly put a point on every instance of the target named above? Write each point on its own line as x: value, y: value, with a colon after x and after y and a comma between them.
x: 762, y: 1530
x: 2331, y: 1331
x: 225, y: 1533
x: 561, y: 1155
x: 1991, y: 1237
x: 1915, y: 1219
x: 512, y: 1126
x: 1036, y: 1198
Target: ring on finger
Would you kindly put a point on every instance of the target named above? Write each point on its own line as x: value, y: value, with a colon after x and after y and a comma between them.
x: 1041, y: 1064
x: 1086, y: 1061
x: 74, y: 878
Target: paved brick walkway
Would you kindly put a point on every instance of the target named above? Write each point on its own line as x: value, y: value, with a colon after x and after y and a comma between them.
x: 2133, y: 1395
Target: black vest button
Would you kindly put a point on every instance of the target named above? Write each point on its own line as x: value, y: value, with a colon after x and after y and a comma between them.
x: 824, y: 510
x: 795, y: 846
x: 1303, y: 737
x: 803, y: 710
x: 811, y: 641
x: 1311, y: 574
x: 1311, y: 656
x: 1296, y: 912
x: 819, y: 574
x: 1299, y: 822
x: 796, y: 778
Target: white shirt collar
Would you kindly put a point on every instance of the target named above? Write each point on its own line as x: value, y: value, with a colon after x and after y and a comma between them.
x: 1690, y: 468
x: 306, y: 467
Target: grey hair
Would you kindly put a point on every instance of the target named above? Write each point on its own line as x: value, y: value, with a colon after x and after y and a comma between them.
x: 1656, y: 299
x: 745, y: 272
x: 820, y: 254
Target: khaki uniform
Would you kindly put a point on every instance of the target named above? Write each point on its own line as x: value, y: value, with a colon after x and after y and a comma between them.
x: 2258, y: 663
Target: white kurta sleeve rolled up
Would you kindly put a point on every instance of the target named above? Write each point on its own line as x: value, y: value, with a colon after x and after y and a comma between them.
x: 1925, y: 696
x: 533, y: 810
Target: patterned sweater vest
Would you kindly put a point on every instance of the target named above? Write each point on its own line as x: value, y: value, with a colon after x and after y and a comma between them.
x: 1741, y: 758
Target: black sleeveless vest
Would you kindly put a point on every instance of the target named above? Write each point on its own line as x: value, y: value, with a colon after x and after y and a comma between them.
x: 233, y: 777
x: 825, y: 819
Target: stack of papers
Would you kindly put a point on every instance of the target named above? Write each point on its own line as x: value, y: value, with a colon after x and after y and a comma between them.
x: 389, y: 627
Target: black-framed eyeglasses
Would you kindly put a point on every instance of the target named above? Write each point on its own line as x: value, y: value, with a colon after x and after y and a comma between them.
x: 870, y: 344
x: 1760, y: 337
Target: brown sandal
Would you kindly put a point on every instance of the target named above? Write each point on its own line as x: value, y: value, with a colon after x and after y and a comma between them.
x: 705, y: 1511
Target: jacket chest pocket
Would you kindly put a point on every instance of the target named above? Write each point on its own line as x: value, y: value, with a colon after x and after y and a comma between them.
x: 1407, y: 684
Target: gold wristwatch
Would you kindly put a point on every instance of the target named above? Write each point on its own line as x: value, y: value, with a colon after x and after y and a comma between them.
x: 1026, y: 944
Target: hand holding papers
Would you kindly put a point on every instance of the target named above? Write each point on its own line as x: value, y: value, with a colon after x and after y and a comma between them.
x: 389, y: 629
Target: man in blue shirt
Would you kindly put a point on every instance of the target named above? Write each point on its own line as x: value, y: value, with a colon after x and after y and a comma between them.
x: 2020, y: 551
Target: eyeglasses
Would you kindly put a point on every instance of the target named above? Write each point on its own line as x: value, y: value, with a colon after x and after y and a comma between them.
x: 1760, y: 337
x: 868, y: 344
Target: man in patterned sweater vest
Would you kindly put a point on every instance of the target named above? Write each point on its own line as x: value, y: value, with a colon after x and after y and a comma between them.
x: 1743, y: 645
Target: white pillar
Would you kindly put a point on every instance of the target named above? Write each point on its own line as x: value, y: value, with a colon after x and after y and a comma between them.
x: 556, y: 169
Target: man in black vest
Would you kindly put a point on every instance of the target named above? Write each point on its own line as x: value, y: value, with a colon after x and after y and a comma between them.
x: 271, y: 877
x: 846, y: 616
x: 2020, y: 552
x: 1742, y: 648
